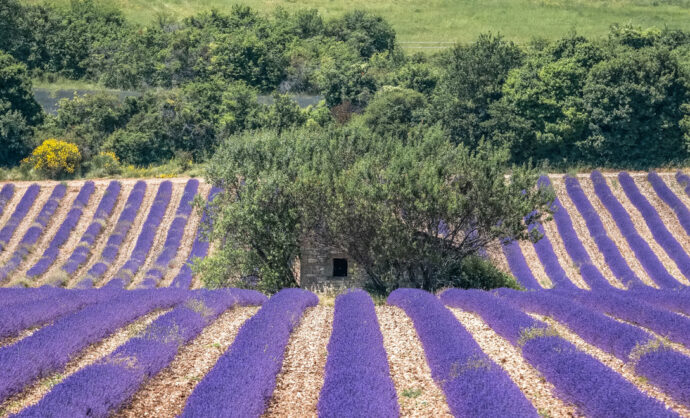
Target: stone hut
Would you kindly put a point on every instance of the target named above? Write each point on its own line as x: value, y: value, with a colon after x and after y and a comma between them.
x: 324, y: 268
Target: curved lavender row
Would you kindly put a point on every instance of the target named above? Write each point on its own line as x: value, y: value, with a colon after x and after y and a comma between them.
x: 549, y: 260
x: 580, y: 379
x: 34, y: 232
x: 112, y: 248
x: 684, y: 180
x: 669, y: 300
x: 5, y: 196
x: 18, y: 295
x: 518, y: 266
x: 474, y: 385
x: 18, y: 317
x: 18, y: 215
x: 49, y: 349
x: 243, y: 379
x: 357, y: 378
x: 175, y: 233
x: 670, y: 198
x: 145, y: 240
x: 63, y: 233
x: 659, y: 231
x: 649, y: 260
x: 101, y: 388
x: 199, y: 248
x: 670, y: 325
x: 608, y: 248
x: 573, y: 246
x: 103, y: 212
x: 628, y: 343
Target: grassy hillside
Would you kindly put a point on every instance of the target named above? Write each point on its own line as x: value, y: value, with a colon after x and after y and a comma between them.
x: 457, y: 20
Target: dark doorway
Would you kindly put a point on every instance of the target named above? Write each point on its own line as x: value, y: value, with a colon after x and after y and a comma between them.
x: 340, y: 267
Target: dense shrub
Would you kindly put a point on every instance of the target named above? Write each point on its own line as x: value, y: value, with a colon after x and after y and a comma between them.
x: 55, y: 158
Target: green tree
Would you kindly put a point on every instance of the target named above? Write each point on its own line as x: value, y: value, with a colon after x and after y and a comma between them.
x: 409, y: 212
x: 394, y: 111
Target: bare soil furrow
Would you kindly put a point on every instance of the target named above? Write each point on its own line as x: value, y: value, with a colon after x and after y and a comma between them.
x: 532, y: 384
x: 165, y: 394
x: 32, y: 394
x: 418, y: 394
x: 302, y: 375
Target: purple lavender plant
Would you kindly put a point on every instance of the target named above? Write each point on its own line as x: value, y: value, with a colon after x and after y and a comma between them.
x: 580, y: 379
x: 474, y: 385
x: 50, y: 348
x: 34, y: 232
x: 199, y: 248
x: 100, y: 389
x: 549, y: 259
x: 670, y: 198
x: 145, y: 240
x: 243, y: 379
x: 63, y: 233
x: 518, y: 266
x: 5, y: 196
x: 659, y: 231
x: 608, y: 248
x: 172, y: 241
x: 357, y: 378
x: 650, y: 262
x: 18, y: 215
x: 103, y: 212
x: 112, y: 248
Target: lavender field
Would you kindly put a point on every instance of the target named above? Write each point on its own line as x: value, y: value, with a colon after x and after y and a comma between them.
x: 102, y: 315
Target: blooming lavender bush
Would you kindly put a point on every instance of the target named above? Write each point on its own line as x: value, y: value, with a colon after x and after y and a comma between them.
x: 243, y: 379
x: 612, y: 255
x: 473, y: 384
x: 5, y: 196
x: 34, y: 232
x: 103, y: 212
x: 518, y: 266
x: 99, y: 389
x: 650, y: 262
x: 357, y: 378
x: 112, y: 248
x: 18, y: 215
x: 670, y: 198
x: 573, y: 246
x: 175, y: 233
x: 199, y: 248
x: 63, y: 233
x: 49, y: 349
x: 145, y: 240
x: 549, y: 260
x: 659, y: 230
x: 580, y: 379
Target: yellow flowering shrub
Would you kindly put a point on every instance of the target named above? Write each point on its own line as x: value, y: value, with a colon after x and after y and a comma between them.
x: 105, y: 164
x: 55, y: 158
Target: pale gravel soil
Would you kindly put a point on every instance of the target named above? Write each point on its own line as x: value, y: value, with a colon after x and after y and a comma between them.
x: 100, y: 242
x: 161, y: 234
x: 535, y: 265
x: 614, y: 233
x: 302, y: 375
x: 48, y: 233
x: 26, y: 223
x: 187, y: 240
x: 566, y: 262
x: 531, y: 383
x: 130, y: 240
x: 582, y: 232
x: 33, y: 393
x: 74, y: 238
x: 624, y: 369
x: 165, y: 394
x: 418, y: 394
x: 644, y: 231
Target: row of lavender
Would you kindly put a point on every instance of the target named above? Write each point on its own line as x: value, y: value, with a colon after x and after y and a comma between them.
x: 615, y: 261
x: 83, y: 251
x: 357, y: 378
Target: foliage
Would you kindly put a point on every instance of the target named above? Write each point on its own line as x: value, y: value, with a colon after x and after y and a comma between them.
x: 394, y: 111
x: 55, y: 158
x: 406, y: 211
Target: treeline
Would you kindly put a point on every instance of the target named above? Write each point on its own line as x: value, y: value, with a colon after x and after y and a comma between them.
x: 621, y: 101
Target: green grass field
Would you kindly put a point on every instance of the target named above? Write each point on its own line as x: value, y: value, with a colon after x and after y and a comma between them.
x: 456, y: 20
